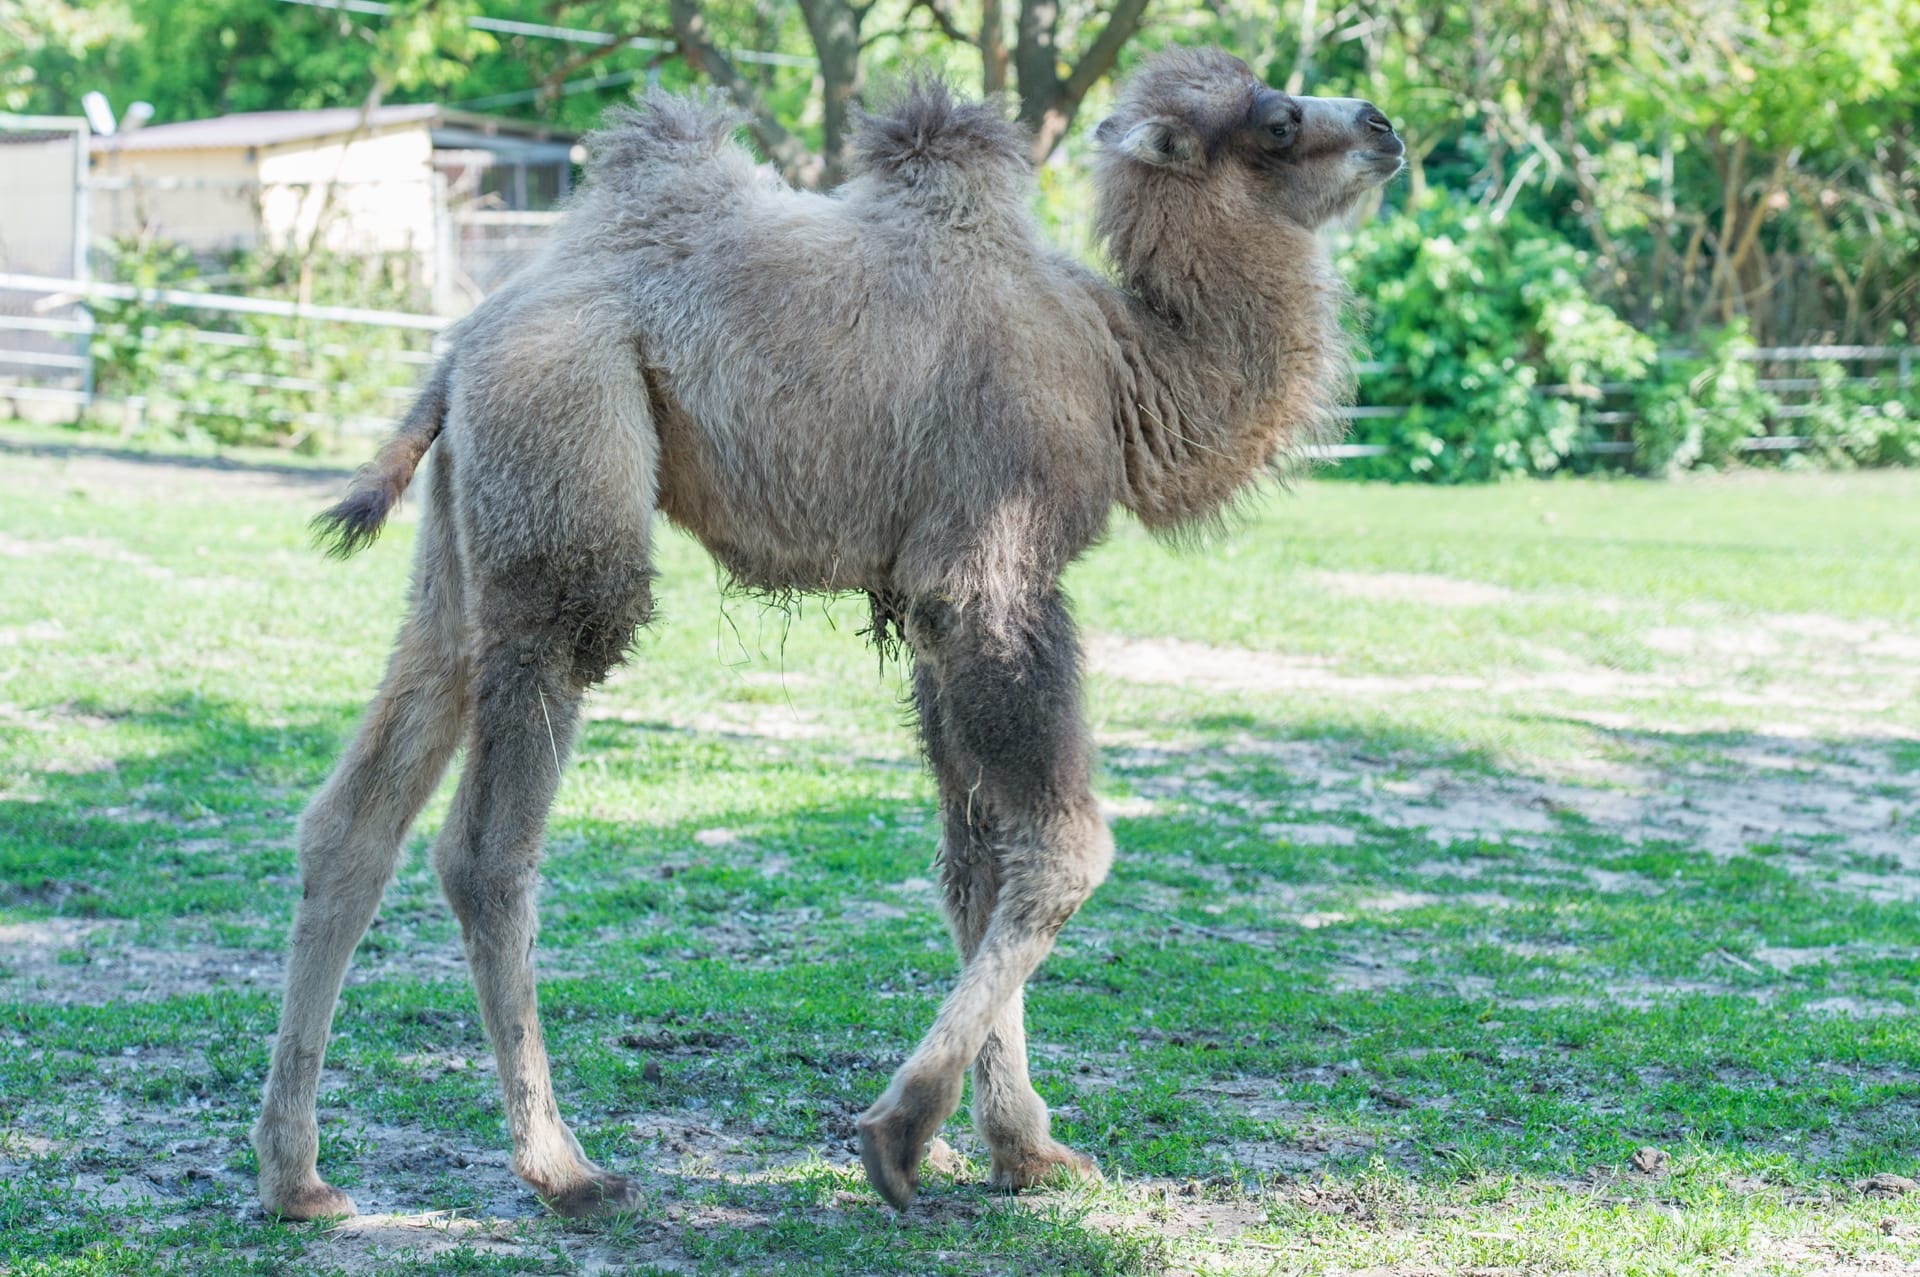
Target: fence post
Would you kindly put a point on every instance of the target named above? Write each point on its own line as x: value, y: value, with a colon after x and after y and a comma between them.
x: 82, y: 240
x: 446, y: 250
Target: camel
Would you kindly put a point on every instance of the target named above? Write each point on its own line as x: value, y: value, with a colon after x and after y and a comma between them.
x: 896, y: 389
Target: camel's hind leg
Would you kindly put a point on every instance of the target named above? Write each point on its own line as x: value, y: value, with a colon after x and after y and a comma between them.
x: 1000, y: 698
x: 534, y: 664
x: 556, y: 512
x: 350, y: 840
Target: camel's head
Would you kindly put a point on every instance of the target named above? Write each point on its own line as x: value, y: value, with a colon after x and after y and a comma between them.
x: 1201, y: 115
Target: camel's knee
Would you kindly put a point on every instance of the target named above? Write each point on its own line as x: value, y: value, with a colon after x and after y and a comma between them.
x: 1048, y: 879
x: 1084, y: 853
x: 339, y: 866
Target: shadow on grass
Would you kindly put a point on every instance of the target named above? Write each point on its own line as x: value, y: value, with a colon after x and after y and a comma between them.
x: 1233, y: 1004
x: 319, y: 475
x: 149, y: 808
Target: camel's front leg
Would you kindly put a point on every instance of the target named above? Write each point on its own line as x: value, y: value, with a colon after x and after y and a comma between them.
x: 1024, y: 848
x: 1007, y: 1112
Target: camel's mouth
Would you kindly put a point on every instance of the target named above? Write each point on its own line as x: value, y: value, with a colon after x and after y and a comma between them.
x: 1384, y: 162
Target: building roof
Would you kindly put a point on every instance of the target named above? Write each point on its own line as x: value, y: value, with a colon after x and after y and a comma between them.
x: 273, y: 128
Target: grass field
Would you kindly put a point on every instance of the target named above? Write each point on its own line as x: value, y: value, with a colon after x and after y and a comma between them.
x: 1511, y: 880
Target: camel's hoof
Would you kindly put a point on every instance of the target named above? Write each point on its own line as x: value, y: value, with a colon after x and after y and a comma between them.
x: 892, y: 1158
x: 894, y: 1136
x: 895, y: 1132
x: 1052, y: 1163
x: 596, y: 1197
x: 318, y: 1200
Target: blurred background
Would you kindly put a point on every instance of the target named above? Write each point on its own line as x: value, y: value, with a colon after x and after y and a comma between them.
x: 1634, y: 235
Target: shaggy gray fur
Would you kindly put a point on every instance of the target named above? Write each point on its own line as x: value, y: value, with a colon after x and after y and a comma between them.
x: 896, y: 389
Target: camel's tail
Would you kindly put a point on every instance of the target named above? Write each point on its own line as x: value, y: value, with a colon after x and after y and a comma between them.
x: 353, y: 524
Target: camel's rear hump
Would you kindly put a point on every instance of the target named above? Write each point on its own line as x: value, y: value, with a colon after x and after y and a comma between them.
x: 667, y: 127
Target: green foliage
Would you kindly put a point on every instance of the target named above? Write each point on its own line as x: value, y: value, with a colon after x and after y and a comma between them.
x: 1698, y: 411
x: 1871, y: 424
x: 44, y: 43
x: 1473, y: 318
x: 211, y: 378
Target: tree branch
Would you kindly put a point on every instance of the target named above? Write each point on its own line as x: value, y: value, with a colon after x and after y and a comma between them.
x: 1048, y: 103
x: 1098, y: 60
x: 551, y: 83
x: 788, y: 152
x: 942, y: 18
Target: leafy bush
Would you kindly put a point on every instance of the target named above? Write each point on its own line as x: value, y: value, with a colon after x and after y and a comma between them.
x: 1697, y: 412
x: 1473, y: 317
x: 1877, y: 424
x: 1700, y: 412
x: 211, y: 377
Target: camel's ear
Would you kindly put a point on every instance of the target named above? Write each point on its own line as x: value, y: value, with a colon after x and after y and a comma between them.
x: 1161, y: 142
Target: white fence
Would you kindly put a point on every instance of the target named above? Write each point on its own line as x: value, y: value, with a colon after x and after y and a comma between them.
x: 1607, y: 407
x: 249, y: 361
x: 245, y: 361
x: 490, y: 246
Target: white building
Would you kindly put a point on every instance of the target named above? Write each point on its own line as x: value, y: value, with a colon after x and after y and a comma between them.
x: 384, y: 180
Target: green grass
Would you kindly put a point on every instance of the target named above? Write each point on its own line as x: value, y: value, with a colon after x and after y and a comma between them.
x: 1470, y: 841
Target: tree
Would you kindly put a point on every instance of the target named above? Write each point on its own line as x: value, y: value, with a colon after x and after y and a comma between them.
x: 834, y: 28
x: 1049, y: 99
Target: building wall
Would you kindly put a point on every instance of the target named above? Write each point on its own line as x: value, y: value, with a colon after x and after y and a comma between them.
x: 382, y: 192
x: 206, y: 200
x: 217, y: 200
x: 37, y: 207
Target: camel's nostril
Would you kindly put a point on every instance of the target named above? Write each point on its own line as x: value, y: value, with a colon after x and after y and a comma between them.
x: 1378, y: 122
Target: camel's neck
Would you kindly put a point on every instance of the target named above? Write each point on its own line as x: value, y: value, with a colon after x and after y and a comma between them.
x: 1232, y: 357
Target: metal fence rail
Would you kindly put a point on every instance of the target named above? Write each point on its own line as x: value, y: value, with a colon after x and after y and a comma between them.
x: 286, y: 387
x: 283, y: 379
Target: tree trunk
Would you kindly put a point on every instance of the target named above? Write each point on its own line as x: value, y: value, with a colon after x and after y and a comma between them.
x: 993, y: 47
x: 1048, y: 101
x: 835, y: 28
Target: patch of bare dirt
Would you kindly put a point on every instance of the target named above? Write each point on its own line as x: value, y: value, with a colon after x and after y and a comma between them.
x: 95, y: 962
x: 1823, y: 674
x: 1414, y: 587
x: 1182, y: 663
x: 1846, y: 818
x: 370, y: 1243
x: 101, y: 470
